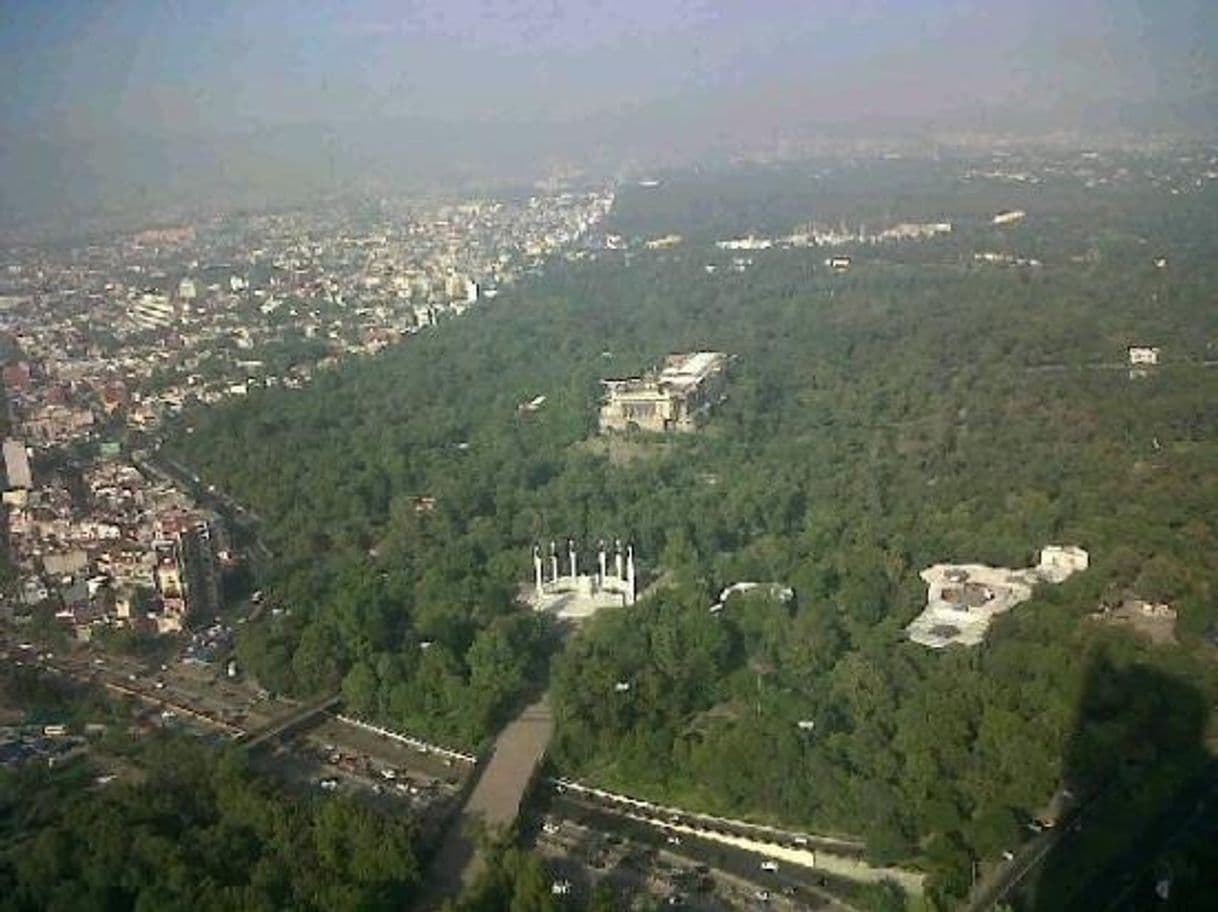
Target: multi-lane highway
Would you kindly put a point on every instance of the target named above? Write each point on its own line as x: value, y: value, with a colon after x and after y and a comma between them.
x: 388, y: 769
x: 800, y: 887
x: 772, y: 835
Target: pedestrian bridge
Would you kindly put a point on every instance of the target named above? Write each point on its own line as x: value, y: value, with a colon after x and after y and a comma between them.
x: 292, y: 721
x: 519, y: 752
x: 495, y: 801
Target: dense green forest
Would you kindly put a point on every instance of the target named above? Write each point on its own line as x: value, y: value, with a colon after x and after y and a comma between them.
x: 918, y: 408
x: 194, y: 829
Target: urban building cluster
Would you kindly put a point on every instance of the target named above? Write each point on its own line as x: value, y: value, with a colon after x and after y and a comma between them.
x: 816, y: 235
x: 138, y: 328
x: 110, y: 545
x: 1184, y: 173
x: 103, y: 341
x: 47, y: 745
x: 998, y: 258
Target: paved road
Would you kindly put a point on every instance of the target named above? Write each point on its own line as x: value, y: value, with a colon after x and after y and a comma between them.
x: 1112, y: 886
x: 1008, y: 876
x: 1059, y: 367
x: 813, y: 889
x: 1106, y: 889
x: 650, y: 874
x: 519, y: 751
x: 209, y: 497
x: 773, y: 835
x: 205, y: 706
x: 495, y: 800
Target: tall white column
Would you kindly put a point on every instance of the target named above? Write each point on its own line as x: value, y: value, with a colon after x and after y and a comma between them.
x: 600, y: 561
x: 630, y: 574
x: 537, y: 568
x: 553, y: 562
x: 571, y: 557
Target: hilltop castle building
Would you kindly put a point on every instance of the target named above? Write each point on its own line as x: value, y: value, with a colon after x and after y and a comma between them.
x: 671, y: 399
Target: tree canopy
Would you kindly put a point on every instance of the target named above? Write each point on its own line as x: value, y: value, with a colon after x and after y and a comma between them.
x: 920, y: 407
x: 195, y: 830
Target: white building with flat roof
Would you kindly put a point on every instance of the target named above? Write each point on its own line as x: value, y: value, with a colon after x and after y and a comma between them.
x: 1057, y: 562
x: 1143, y: 354
x: 963, y: 599
x: 1008, y: 217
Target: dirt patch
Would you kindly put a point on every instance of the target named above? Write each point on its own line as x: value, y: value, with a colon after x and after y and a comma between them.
x: 1156, y: 623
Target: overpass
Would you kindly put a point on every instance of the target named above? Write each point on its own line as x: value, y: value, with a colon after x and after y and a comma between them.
x: 292, y: 721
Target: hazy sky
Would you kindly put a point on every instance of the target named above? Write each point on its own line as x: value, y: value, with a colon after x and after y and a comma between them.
x: 166, y: 65
x: 81, y: 77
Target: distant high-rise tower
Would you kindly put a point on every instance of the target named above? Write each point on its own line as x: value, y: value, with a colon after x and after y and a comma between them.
x: 17, y: 464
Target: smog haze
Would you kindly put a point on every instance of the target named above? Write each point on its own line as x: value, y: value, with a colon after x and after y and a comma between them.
x: 138, y: 105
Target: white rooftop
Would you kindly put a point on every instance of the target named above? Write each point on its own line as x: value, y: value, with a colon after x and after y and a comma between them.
x: 694, y: 366
x: 963, y: 599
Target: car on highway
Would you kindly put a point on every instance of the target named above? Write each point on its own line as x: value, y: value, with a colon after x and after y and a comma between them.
x: 770, y: 866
